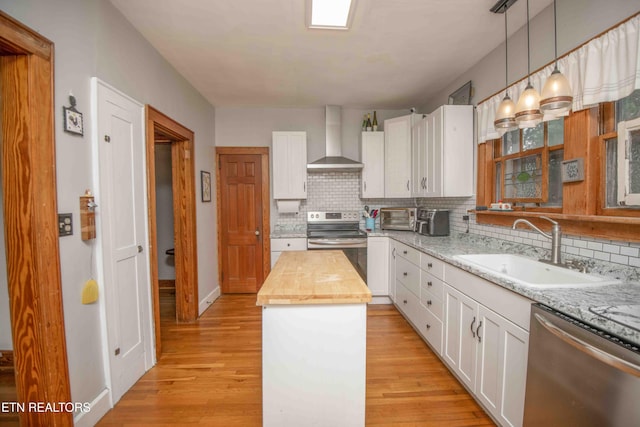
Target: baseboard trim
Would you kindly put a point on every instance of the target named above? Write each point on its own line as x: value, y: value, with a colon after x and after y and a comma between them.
x: 206, y: 302
x: 380, y: 300
x: 99, y: 408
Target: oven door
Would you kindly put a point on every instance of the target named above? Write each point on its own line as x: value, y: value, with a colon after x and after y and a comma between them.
x: 355, y: 249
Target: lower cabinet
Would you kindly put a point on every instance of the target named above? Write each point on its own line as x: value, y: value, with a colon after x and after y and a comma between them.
x: 391, y: 277
x: 279, y: 245
x: 488, y: 353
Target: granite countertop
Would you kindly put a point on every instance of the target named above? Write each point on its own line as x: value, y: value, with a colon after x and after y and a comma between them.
x: 575, y: 301
x: 313, y: 277
x: 298, y: 231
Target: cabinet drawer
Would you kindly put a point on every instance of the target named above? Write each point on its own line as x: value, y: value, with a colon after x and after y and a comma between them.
x: 432, y: 284
x: 408, y: 253
x: 406, y: 301
x: 432, y: 303
x: 289, y: 244
x: 408, y: 274
x: 432, y: 265
x: 431, y: 330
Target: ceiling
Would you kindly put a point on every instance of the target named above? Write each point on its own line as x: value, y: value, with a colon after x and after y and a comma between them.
x: 397, y: 54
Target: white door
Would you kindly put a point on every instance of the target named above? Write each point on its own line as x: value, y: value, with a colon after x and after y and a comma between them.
x: 123, y: 235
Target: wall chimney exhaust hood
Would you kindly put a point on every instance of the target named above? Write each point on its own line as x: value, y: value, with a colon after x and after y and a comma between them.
x: 333, y: 160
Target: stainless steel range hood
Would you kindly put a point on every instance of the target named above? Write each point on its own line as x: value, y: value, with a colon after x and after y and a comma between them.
x: 334, y: 161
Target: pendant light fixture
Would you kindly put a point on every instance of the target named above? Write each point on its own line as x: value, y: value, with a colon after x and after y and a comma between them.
x: 505, y: 115
x: 528, y: 108
x: 556, y: 93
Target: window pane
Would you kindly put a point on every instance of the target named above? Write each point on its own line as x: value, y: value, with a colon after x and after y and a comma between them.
x: 523, y: 178
x: 555, y: 178
x: 511, y: 142
x: 533, y: 137
x: 634, y: 162
x: 611, y: 190
x: 555, y: 129
x: 498, y: 179
x: 628, y: 108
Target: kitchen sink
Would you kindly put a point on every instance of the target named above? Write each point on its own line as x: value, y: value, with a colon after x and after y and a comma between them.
x: 529, y: 272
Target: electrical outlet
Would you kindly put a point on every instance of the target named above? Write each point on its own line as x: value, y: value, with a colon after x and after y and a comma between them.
x: 465, y: 217
x: 65, y: 224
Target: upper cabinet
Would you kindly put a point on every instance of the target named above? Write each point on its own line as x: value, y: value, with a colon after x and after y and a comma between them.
x: 442, y: 147
x: 372, y: 156
x: 397, y: 157
x: 289, y: 164
x: 451, y: 147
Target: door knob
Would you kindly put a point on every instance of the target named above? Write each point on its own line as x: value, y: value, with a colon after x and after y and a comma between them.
x: 257, y: 232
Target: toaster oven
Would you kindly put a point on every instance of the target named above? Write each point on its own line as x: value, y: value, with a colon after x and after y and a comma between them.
x: 398, y: 218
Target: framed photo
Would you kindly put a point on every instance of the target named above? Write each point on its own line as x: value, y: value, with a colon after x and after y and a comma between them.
x: 573, y: 170
x: 462, y: 96
x: 205, y: 181
x: 72, y: 121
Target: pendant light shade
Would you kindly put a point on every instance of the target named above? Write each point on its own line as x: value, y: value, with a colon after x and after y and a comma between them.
x: 505, y: 115
x: 556, y: 94
x: 528, y: 112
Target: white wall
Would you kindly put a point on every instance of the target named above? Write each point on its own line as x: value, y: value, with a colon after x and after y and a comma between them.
x: 6, y: 342
x: 164, y: 212
x: 578, y: 22
x: 92, y: 39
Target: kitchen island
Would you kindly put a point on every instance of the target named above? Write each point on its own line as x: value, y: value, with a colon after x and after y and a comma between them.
x: 314, y: 325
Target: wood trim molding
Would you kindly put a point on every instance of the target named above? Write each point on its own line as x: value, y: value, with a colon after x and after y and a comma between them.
x: 184, y: 202
x: 266, y: 203
x: 31, y: 231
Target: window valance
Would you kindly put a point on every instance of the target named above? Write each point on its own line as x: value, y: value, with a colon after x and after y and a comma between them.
x: 605, y: 69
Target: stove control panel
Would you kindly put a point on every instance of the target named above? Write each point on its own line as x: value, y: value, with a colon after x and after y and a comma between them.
x: 333, y: 216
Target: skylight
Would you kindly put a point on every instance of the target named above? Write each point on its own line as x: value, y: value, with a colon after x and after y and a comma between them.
x: 332, y: 14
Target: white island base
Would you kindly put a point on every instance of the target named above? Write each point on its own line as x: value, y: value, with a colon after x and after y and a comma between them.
x: 314, y: 365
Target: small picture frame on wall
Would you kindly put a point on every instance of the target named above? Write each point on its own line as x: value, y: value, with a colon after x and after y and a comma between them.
x: 73, y: 121
x: 573, y: 170
x: 205, y: 181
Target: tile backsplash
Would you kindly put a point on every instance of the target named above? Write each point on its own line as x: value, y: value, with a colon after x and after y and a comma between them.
x: 340, y: 191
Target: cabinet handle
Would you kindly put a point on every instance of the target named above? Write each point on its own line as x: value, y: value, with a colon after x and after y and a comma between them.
x: 365, y: 186
x: 478, y: 331
x: 404, y: 274
x: 429, y: 284
x: 304, y: 186
x: 407, y: 185
x: 429, y: 265
x: 429, y: 302
x: 288, y: 244
x: 404, y: 252
x: 473, y: 333
x: 405, y: 301
x: 428, y: 326
x: 393, y: 252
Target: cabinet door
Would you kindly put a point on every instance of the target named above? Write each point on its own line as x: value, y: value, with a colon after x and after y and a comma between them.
x: 377, y: 265
x: 289, y: 165
x: 397, y: 157
x: 391, y: 278
x: 433, y: 155
x: 502, y: 367
x: 373, y: 160
x: 419, y: 157
x: 461, y: 322
x: 456, y: 142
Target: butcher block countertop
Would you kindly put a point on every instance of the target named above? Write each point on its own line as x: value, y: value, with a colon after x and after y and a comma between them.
x: 313, y: 277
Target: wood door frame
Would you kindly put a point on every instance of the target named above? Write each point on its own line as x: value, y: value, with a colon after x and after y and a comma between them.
x: 184, y: 214
x: 31, y: 221
x: 266, y: 204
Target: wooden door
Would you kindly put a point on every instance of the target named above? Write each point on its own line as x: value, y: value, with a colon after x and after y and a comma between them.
x: 242, y: 245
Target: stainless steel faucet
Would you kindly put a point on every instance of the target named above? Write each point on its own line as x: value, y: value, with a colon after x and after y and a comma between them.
x: 555, y: 236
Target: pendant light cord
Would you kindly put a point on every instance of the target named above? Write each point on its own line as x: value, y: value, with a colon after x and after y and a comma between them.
x: 506, y: 51
x: 555, y: 34
x: 528, y: 48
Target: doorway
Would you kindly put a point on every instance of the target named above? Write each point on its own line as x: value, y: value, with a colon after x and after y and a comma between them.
x: 30, y: 221
x: 242, y: 189
x: 161, y: 129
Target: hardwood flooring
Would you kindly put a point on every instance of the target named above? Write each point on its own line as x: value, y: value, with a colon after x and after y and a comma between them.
x: 8, y: 394
x: 210, y: 374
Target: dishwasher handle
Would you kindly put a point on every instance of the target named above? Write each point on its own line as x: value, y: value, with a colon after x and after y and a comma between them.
x: 599, y: 354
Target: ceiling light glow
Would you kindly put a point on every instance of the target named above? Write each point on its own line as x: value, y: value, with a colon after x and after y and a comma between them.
x: 330, y: 13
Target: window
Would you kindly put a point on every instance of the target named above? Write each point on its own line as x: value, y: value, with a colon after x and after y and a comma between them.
x: 527, y: 165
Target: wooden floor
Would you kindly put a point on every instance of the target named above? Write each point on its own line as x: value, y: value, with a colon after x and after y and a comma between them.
x: 8, y: 394
x: 210, y: 374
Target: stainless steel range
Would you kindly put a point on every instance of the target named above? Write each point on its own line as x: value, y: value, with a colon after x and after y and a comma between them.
x: 341, y: 231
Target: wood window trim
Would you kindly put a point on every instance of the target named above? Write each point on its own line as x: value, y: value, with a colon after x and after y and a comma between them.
x: 581, y: 213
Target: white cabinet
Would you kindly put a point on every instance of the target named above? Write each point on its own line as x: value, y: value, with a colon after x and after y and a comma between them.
x: 372, y: 156
x: 419, y: 157
x: 378, y: 265
x: 449, y: 152
x: 488, y: 353
x: 289, y: 165
x: 391, y: 277
x: 279, y: 245
x: 397, y: 157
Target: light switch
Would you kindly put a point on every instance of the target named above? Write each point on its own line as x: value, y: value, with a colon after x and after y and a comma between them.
x: 65, y: 224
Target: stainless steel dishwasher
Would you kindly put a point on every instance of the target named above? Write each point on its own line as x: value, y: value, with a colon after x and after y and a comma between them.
x: 578, y: 375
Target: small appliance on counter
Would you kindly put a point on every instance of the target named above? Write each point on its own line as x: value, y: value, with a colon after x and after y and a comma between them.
x: 433, y: 222
x: 398, y: 218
